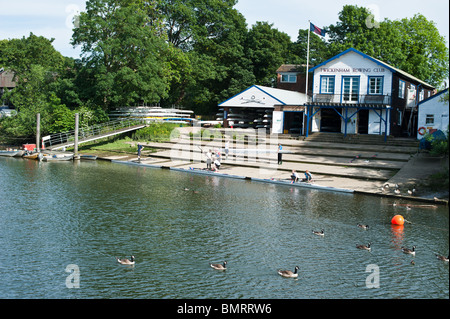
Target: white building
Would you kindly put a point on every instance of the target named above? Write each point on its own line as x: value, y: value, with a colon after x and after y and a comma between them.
x: 264, y: 107
x: 433, y: 114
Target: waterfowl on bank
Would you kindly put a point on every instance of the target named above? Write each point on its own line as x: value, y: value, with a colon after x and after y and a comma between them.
x: 288, y: 273
x: 412, y: 192
x: 397, y: 191
x: 319, y: 233
x: 364, y: 247
x: 219, y: 266
x: 363, y: 226
x: 443, y: 258
x: 126, y: 261
x: 409, y: 251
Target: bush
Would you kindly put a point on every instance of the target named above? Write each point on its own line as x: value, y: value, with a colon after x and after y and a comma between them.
x: 157, y: 132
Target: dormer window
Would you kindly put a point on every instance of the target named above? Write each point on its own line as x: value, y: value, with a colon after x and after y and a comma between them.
x: 288, y: 78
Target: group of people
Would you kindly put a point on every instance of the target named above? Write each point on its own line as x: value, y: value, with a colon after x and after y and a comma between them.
x: 213, y: 160
x: 295, y: 177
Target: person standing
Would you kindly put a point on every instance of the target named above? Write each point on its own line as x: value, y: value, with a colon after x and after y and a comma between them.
x: 140, y: 147
x: 208, y: 159
x: 227, y: 148
x: 280, y: 159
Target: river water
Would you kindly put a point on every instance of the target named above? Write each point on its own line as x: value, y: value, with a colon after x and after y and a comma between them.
x: 61, y: 224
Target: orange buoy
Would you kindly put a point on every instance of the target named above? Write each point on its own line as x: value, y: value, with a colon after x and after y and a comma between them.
x: 398, y: 220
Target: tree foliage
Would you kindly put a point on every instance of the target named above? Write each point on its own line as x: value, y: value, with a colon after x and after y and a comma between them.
x: 191, y: 53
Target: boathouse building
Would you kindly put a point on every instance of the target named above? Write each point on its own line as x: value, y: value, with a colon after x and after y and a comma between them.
x: 354, y: 93
x: 351, y: 93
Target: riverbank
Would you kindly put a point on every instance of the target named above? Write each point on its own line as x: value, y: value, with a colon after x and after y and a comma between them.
x: 334, y: 166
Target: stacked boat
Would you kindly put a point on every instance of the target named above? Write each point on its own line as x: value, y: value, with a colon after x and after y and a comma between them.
x: 153, y: 113
x: 247, y: 118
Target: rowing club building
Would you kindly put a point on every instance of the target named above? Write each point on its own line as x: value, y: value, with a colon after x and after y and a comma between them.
x: 351, y: 93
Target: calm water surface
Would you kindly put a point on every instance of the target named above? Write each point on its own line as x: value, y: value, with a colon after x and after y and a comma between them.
x: 85, y: 213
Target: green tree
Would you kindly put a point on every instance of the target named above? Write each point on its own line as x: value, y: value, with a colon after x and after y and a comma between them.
x: 124, y: 52
x: 267, y: 48
x: 412, y: 45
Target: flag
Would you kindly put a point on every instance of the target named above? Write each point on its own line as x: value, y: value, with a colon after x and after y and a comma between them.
x: 316, y: 30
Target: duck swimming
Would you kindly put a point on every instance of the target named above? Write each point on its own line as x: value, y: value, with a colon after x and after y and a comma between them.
x: 363, y: 226
x: 364, y: 247
x: 288, y: 273
x: 409, y: 251
x: 319, y: 233
x: 126, y: 261
x: 219, y: 266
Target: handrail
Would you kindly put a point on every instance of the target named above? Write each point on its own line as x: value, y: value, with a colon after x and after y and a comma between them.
x: 377, y: 99
x: 85, y: 132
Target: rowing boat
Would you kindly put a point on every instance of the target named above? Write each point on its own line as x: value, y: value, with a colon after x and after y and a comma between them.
x: 304, y: 184
x: 59, y: 157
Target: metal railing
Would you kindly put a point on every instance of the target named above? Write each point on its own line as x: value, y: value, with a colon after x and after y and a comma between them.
x: 352, y: 99
x: 85, y: 132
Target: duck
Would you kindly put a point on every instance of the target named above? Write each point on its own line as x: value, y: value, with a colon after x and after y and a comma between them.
x: 363, y: 226
x: 443, y: 258
x: 219, y: 266
x: 288, y: 273
x: 319, y: 233
x: 409, y: 251
x: 397, y: 191
x: 126, y: 261
x: 365, y: 247
x: 412, y: 192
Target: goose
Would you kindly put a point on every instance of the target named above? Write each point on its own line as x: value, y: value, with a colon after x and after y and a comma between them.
x: 365, y: 247
x: 363, y: 226
x: 319, y: 233
x: 412, y: 192
x: 443, y: 258
x: 409, y: 251
x: 126, y: 261
x: 288, y: 273
x: 219, y: 266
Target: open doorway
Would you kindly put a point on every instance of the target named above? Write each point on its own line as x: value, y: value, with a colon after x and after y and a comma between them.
x: 330, y: 120
x: 293, y: 122
x: 363, y: 122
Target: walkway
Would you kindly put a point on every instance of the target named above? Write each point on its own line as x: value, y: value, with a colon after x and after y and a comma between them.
x: 362, y: 168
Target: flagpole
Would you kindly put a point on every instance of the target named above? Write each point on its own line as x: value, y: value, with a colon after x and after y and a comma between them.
x: 307, y: 59
x: 306, y: 89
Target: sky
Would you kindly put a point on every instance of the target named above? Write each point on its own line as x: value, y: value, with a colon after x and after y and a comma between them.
x: 53, y: 18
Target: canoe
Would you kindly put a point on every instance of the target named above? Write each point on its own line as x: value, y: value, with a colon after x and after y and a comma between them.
x: 8, y: 153
x: 88, y: 157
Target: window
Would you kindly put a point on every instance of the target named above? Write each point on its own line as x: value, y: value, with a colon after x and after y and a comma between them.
x: 350, y: 88
x: 421, y: 95
x: 327, y: 84
x: 289, y: 78
x: 429, y: 119
x: 376, y: 85
x: 401, y: 89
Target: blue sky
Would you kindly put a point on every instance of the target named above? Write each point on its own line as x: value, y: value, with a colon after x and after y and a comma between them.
x: 52, y: 18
